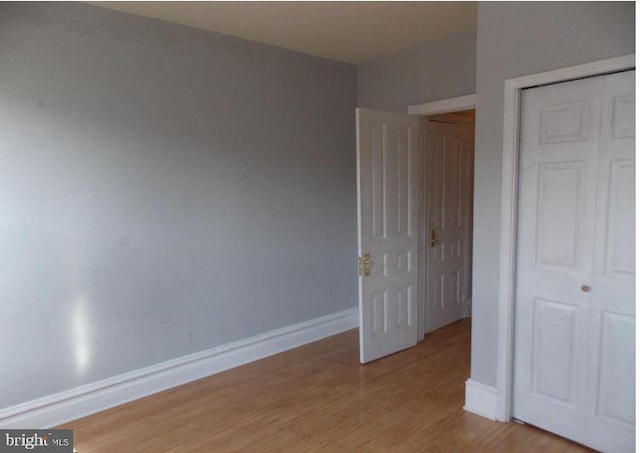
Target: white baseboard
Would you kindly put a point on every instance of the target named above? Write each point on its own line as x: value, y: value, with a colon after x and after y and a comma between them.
x: 53, y: 410
x: 480, y: 399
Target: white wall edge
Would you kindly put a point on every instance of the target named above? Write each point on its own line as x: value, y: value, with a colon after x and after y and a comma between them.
x: 444, y: 105
x: 467, y: 308
x: 480, y: 399
x: 62, y: 407
x: 510, y: 141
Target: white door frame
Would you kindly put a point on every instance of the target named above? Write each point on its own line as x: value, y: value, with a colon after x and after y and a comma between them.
x: 509, y: 196
x: 430, y: 108
x: 444, y: 105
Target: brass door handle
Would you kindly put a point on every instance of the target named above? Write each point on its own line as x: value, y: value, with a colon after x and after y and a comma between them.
x: 364, y: 265
x: 433, y: 240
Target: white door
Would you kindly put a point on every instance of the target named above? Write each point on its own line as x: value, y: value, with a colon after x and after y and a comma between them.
x: 448, y: 220
x: 610, y: 417
x: 387, y: 162
x: 574, y: 368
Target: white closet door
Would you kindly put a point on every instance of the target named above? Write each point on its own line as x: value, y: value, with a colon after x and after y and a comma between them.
x: 610, y: 417
x: 575, y: 325
x: 558, y: 147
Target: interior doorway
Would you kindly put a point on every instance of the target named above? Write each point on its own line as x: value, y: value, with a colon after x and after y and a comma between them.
x: 447, y: 219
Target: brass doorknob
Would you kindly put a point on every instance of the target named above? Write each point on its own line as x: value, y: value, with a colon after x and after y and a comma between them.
x: 585, y: 288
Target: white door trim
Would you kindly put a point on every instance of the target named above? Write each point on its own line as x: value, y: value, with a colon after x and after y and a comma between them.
x: 509, y: 198
x: 448, y: 105
x: 444, y: 105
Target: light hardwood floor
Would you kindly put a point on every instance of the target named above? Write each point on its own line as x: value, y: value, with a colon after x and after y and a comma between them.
x: 319, y: 398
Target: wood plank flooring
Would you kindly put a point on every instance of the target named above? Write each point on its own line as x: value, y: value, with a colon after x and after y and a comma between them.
x: 319, y: 398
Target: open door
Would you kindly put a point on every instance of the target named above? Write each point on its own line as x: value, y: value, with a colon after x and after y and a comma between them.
x: 387, y: 162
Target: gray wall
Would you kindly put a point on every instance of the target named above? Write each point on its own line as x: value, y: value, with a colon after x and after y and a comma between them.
x: 163, y: 190
x: 516, y: 39
x: 440, y: 69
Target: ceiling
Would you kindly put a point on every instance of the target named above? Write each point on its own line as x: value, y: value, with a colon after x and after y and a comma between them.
x: 353, y: 32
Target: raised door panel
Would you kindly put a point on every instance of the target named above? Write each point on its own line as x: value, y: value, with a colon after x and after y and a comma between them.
x: 620, y: 235
x: 403, y: 224
x: 566, y: 122
x: 561, y: 202
x: 451, y: 187
x: 554, y: 352
x: 616, y: 380
x: 377, y: 183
